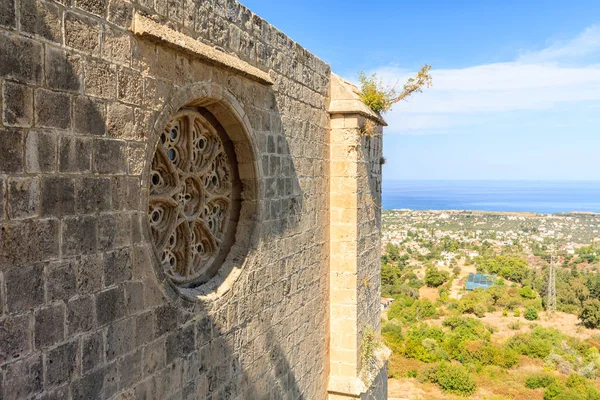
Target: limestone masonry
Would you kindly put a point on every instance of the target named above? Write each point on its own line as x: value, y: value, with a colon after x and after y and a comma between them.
x: 189, y: 208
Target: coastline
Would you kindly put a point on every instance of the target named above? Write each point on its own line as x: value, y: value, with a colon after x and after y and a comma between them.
x: 541, y: 197
x: 481, y: 212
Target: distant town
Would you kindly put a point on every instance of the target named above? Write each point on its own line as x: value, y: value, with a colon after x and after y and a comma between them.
x: 533, y: 234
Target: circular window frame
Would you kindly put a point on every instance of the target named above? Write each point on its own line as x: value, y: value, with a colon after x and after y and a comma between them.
x: 226, y: 115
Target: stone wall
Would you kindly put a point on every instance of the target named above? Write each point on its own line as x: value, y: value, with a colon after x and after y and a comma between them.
x: 86, y: 310
x: 355, y: 224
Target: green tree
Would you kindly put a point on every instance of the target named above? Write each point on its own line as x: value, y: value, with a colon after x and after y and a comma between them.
x: 527, y: 292
x: 418, y: 310
x: 455, y: 379
x: 391, y: 253
x: 590, y: 313
x: 580, y: 289
x: 434, y: 277
x: 512, y: 268
x: 531, y: 314
x: 390, y: 274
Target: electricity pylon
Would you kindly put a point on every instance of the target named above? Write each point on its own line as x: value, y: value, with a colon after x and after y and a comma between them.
x: 551, y: 304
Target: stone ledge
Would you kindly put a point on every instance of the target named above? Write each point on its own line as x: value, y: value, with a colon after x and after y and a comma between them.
x: 346, y: 385
x: 352, y: 386
x: 151, y: 30
x: 346, y: 100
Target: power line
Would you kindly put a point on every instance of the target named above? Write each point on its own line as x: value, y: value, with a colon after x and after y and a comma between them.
x: 551, y: 304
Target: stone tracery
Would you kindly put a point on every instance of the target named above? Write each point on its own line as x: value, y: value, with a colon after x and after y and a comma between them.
x: 190, y: 196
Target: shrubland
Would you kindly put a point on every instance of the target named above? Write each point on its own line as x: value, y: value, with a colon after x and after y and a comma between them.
x: 446, y: 343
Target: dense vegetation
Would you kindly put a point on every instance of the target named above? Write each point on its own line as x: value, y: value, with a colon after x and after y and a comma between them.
x: 453, y: 355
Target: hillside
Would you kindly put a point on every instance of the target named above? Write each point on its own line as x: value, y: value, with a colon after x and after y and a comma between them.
x: 497, y: 343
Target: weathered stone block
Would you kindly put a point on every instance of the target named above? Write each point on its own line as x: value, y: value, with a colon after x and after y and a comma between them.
x: 52, y: 109
x: 24, y: 378
x: 20, y: 59
x: 154, y: 295
x: 117, y: 45
x: 154, y: 356
x: 61, y: 363
x: 180, y: 343
x: 166, y: 319
x: 110, y: 305
x: 41, y: 18
x: 111, y: 380
x: 204, y: 331
x: 156, y: 92
x: 74, y: 154
x: 23, y: 198
x: 110, y: 157
x: 17, y: 101
x: 138, y: 232
x: 137, y: 158
x: 58, y: 196
x: 100, y: 80
x: 89, y: 274
x: 80, y: 314
x: 11, y: 148
x: 144, y: 328
x: 130, y: 369
x: 120, y: 197
x: 28, y: 242
x: 61, y: 281
x: 117, y: 267
x: 79, y: 235
x: 82, y: 33
x: 2, y: 194
x: 40, y: 152
x: 134, y: 193
x: 134, y: 297
x: 59, y: 393
x: 120, y: 121
x: 120, y: 338
x: 120, y: 13
x: 89, y: 386
x: 130, y: 87
x: 63, y: 70
x: 92, y: 351
x: 114, y: 231
x: 97, y: 7
x: 93, y: 194
x: 49, y: 325
x: 16, y: 338
x: 7, y: 13
x: 89, y: 116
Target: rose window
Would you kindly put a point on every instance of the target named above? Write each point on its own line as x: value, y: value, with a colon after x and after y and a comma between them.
x: 190, y: 197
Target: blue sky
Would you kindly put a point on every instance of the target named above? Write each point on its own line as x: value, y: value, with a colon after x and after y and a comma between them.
x: 516, y: 90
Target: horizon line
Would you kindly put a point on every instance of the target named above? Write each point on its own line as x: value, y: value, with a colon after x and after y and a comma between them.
x: 491, y: 179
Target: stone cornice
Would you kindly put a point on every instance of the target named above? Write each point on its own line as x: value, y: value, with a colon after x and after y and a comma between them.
x: 345, y: 100
x: 147, y: 28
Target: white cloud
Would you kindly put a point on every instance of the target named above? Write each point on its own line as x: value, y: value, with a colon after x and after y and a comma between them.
x: 586, y: 44
x: 558, y: 74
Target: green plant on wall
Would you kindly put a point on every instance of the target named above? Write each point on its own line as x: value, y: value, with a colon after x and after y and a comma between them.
x: 380, y: 98
x: 369, y: 343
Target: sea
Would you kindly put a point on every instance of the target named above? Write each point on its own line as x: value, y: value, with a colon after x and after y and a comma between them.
x: 545, y: 197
